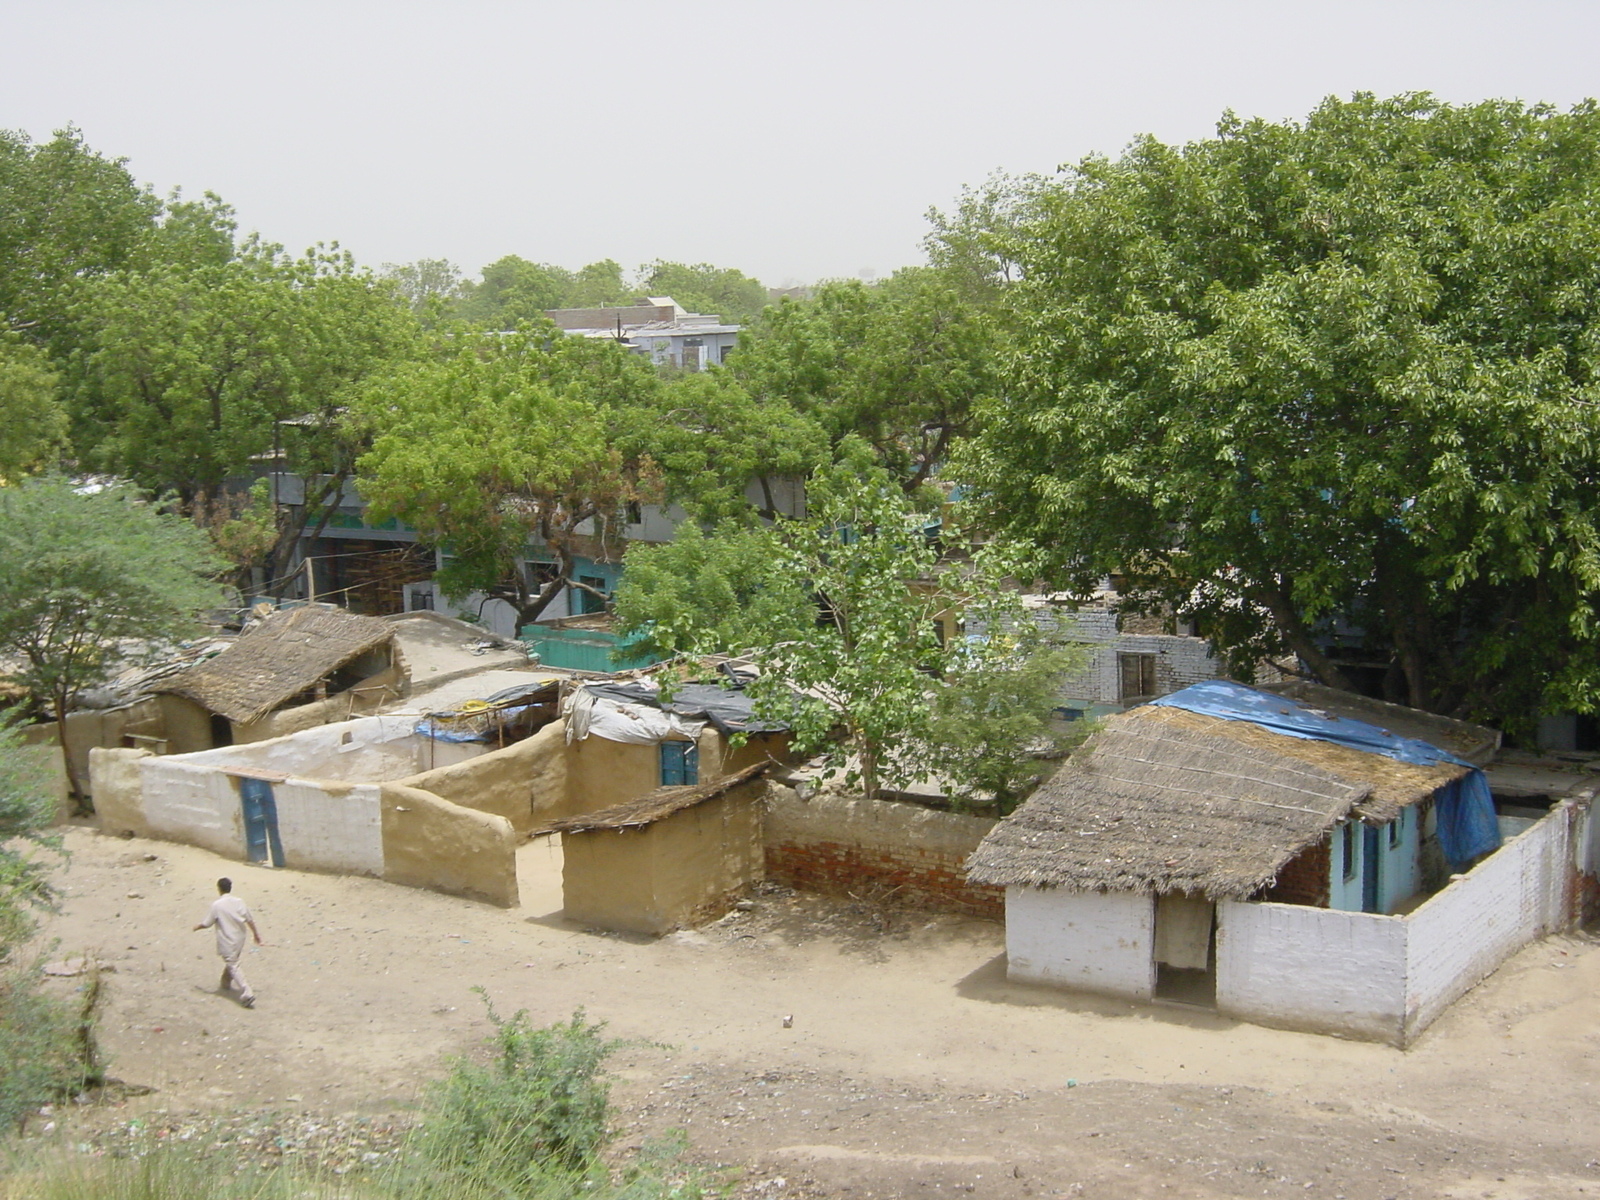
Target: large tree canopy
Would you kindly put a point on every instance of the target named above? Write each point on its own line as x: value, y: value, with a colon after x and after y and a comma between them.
x: 1344, y: 368
x: 900, y: 363
x: 842, y: 610
x: 188, y: 374
x: 511, y: 448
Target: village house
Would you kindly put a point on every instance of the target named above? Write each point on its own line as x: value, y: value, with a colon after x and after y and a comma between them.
x: 1285, y: 860
x: 440, y: 793
x: 658, y: 327
x: 674, y: 858
x: 294, y: 669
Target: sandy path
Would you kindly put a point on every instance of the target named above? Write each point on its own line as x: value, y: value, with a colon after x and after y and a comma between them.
x: 365, y: 987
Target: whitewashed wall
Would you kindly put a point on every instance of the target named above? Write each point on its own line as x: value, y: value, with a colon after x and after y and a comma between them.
x: 1096, y: 941
x: 192, y: 803
x: 1312, y: 968
x: 365, y: 750
x: 328, y: 829
x: 1362, y: 974
x: 1517, y: 894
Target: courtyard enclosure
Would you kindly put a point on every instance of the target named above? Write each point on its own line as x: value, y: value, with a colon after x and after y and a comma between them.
x: 1281, y: 858
x: 1368, y: 975
x: 335, y: 798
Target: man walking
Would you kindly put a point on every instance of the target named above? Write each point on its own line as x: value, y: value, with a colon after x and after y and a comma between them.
x: 231, y: 918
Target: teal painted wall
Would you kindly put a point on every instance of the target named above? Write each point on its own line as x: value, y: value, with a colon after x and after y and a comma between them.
x: 1400, y: 869
x: 1399, y: 863
x: 1344, y: 883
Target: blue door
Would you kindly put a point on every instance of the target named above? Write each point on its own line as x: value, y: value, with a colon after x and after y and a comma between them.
x: 1369, y: 869
x: 260, y: 821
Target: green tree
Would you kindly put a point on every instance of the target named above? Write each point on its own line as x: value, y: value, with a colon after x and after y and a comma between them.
x: 993, y: 720
x: 512, y: 290
x: 723, y: 452
x: 84, y: 570
x: 901, y: 364
x: 703, y: 288
x: 599, y: 285
x: 27, y: 811
x: 512, y: 446
x: 188, y: 376
x: 842, y: 611
x: 429, y: 286
x: 33, y: 423
x: 67, y: 214
x: 1344, y: 367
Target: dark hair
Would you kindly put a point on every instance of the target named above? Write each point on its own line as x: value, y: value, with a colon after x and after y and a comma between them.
x: 224, y: 885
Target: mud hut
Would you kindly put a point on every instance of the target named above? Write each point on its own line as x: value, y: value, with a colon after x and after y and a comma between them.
x: 298, y: 668
x: 676, y: 857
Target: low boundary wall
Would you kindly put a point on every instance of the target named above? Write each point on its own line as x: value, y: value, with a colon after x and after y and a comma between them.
x: 842, y: 844
x: 1388, y: 978
x: 390, y: 831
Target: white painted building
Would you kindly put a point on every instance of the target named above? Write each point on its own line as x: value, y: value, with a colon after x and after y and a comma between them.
x: 1277, y: 877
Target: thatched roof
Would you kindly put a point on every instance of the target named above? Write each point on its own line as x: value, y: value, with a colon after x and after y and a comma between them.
x: 1475, y: 743
x: 292, y: 650
x: 1166, y: 800
x: 648, y: 809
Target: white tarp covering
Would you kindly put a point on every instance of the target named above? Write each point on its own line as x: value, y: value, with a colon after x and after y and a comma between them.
x: 618, y: 721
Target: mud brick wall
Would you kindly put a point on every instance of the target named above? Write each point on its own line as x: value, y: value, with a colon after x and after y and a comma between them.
x: 1304, y: 878
x: 848, y: 845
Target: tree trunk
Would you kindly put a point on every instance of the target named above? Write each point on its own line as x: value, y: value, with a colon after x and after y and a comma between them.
x: 328, y: 503
x: 869, y: 771
x: 1277, y: 601
x: 74, y: 790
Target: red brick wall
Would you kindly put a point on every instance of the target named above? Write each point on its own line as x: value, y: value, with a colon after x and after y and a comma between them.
x: 1304, y: 878
x: 920, y: 878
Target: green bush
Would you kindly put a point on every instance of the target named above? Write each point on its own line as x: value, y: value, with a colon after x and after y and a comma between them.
x: 540, y: 1106
x: 45, y: 1049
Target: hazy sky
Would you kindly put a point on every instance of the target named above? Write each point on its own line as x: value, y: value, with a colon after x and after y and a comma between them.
x: 794, y: 141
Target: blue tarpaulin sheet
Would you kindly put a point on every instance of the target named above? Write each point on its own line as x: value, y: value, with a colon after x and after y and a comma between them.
x: 1467, y: 823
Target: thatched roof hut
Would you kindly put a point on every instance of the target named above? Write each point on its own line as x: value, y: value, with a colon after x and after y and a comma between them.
x: 1166, y: 800
x: 289, y: 652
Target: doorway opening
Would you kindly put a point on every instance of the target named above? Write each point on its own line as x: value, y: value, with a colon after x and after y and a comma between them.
x: 1186, y: 950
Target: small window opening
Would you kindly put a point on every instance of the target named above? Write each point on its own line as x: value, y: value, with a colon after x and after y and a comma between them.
x: 1349, y: 849
x: 680, y: 764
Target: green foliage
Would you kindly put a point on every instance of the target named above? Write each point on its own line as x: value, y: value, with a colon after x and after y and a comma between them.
x: 510, y: 443
x: 900, y: 364
x: 67, y: 214
x: 973, y: 247
x: 1343, y: 367
x: 714, y: 442
x: 185, y: 371
x: 529, y: 1124
x: 842, y: 611
x: 80, y: 571
x: 429, y: 286
x: 703, y: 288
x: 513, y: 291
x: 992, y: 723
x: 41, y: 1044
x: 27, y: 811
x: 539, y: 1108
x: 33, y: 423
x: 670, y: 591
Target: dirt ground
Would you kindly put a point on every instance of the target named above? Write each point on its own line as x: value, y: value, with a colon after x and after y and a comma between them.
x: 911, y: 1067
